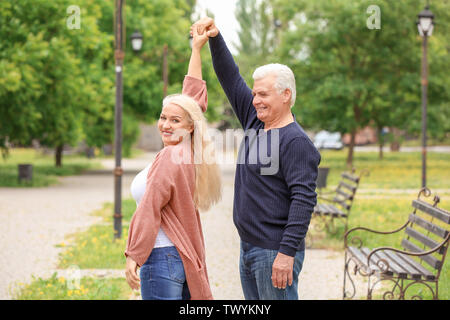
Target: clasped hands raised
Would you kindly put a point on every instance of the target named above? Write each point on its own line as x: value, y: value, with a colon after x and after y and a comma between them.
x: 201, y: 31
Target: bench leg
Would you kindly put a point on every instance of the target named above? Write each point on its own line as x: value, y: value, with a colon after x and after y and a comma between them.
x: 346, y: 294
x: 423, y: 283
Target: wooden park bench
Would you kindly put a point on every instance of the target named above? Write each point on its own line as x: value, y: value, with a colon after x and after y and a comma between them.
x: 337, y: 206
x: 426, y: 242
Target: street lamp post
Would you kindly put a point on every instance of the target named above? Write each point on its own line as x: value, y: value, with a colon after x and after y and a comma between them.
x: 119, y: 55
x: 425, y: 26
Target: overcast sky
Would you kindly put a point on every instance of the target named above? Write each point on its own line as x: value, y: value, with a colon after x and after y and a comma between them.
x: 223, y: 11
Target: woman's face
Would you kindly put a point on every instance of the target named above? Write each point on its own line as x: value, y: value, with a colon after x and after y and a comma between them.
x: 174, y: 124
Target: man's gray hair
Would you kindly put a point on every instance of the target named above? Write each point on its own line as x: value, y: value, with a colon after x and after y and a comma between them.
x: 285, y: 78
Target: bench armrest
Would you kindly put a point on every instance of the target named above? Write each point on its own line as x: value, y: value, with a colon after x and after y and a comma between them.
x: 409, y: 253
x: 371, y: 230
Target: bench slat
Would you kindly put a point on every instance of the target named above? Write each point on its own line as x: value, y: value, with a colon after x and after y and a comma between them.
x: 374, y: 260
x: 333, y: 210
x: 435, y: 212
x: 326, y: 211
x: 426, y: 274
x: 344, y: 194
x: 319, y: 209
x: 351, y: 177
x: 428, y: 225
x: 393, y: 265
x: 430, y: 243
x: 346, y: 185
x: 406, y: 267
x: 342, y: 203
x: 362, y: 259
x: 432, y: 261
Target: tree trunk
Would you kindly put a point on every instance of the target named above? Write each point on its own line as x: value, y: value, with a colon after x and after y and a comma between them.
x: 350, y: 149
x: 58, y: 155
x: 395, y: 144
x: 380, y: 153
x: 381, y: 137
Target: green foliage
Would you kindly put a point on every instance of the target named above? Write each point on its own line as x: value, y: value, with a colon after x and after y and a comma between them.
x: 96, y: 247
x: 52, y: 74
x: 57, y: 85
x: 349, y: 76
x: 257, y: 35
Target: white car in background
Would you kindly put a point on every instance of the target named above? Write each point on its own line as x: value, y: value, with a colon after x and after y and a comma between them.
x: 328, y: 140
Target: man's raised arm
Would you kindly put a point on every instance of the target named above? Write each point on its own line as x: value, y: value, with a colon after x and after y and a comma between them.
x: 238, y: 93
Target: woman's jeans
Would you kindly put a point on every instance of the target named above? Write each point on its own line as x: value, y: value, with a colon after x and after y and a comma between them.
x: 163, y: 277
x: 256, y: 274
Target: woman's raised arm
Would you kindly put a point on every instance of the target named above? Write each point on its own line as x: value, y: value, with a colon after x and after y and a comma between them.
x: 193, y: 84
x: 195, y: 63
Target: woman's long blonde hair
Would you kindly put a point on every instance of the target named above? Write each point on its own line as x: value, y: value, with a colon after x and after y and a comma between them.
x: 208, y: 184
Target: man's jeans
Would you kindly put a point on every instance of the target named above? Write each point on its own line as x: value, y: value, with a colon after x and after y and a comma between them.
x: 162, y: 276
x: 255, y: 268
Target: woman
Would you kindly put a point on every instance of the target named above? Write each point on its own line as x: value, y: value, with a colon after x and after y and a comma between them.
x: 165, y: 236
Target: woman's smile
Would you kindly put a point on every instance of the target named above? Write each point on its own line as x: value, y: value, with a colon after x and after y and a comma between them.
x: 173, y: 124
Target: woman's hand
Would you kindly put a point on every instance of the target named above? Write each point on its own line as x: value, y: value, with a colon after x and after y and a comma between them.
x: 131, y: 274
x: 198, y: 40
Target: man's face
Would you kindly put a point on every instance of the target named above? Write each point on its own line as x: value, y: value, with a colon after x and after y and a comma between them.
x: 267, y: 101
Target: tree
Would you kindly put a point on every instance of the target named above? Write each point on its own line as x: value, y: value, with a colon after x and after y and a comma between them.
x: 257, y: 35
x: 46, y: 69
x: 57, y: 84
x: 257, y: 42
x: 350, y: 76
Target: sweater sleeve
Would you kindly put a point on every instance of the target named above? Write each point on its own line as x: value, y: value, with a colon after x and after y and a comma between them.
x: 299, y: 165
x: 238, y: 93
x: 146, y: 220
x: 196, y: 88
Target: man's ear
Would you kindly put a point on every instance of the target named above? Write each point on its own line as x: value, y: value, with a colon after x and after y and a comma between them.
x: 287, y: 94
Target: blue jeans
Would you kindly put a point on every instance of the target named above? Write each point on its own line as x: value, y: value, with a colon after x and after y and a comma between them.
x: 162, y: 276
x: 255, y: 266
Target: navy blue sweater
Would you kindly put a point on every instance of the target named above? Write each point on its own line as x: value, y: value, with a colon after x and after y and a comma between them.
x: 276, y: 170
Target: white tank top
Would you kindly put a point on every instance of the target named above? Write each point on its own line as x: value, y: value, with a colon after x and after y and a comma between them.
x: 137, y: 191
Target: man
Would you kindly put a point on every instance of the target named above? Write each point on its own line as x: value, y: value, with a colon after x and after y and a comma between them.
x: 273, y: 200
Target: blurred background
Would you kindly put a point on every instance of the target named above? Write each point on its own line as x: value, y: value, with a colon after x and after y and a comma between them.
x: 57, y: 83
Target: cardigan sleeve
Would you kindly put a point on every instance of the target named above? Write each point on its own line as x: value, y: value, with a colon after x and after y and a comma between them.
x: 196, y: 88
x: 146, y: 220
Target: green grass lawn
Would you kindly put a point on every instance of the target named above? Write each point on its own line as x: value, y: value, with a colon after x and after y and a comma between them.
x: 397, y: 170
x: 96, y: 247
x: 44, y: 171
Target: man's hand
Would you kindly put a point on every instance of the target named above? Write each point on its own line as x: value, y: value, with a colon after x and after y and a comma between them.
x: 282, y: 271
x: 206, y: 24
x: 131, y: 274
x: 198, y: 40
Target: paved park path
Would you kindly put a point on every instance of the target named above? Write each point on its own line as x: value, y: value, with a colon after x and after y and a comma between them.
x: 34, y: 221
